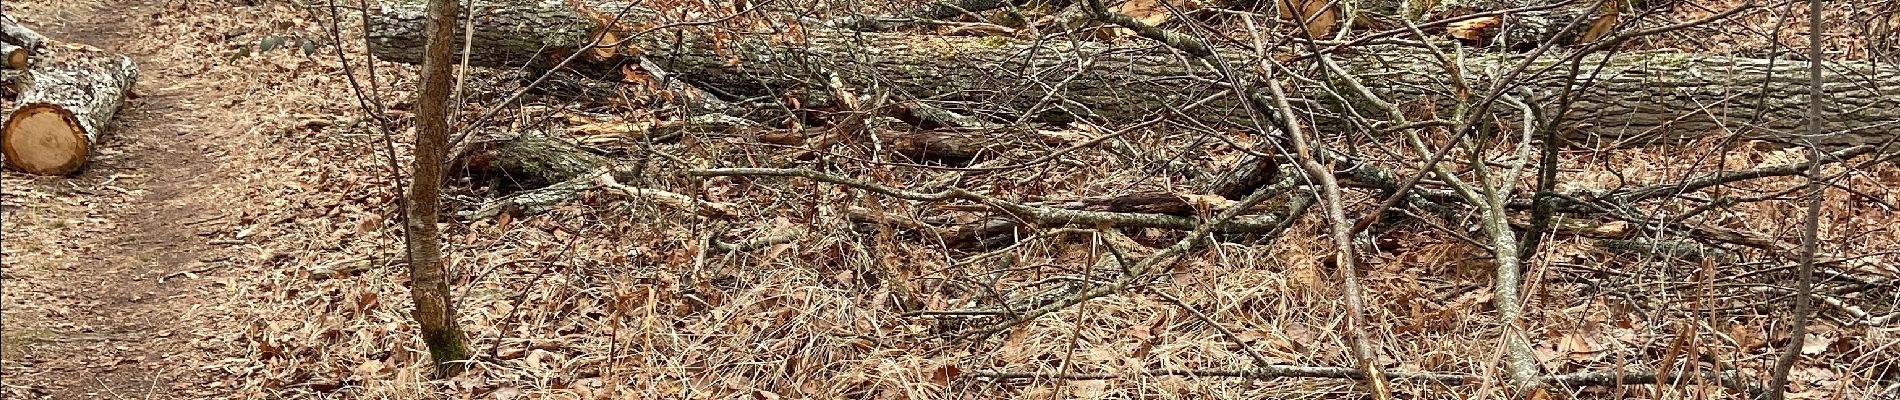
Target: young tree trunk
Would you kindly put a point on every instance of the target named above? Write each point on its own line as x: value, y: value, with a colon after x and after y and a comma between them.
x: 428, y: 276
x: 65, y: 101
x: 1635, y: 97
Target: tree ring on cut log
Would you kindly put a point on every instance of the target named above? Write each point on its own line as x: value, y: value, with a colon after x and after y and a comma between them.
x: 15, y: 56
x: 44, y: 138
x: 66, y: 101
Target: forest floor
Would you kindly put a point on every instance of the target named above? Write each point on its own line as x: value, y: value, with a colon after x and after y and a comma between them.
x: 119, y: 280
x: 235, y: 238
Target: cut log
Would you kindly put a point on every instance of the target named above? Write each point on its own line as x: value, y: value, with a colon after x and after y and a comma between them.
x: 14, y: 57
x: 65, y: 101
x: 1634, y: 97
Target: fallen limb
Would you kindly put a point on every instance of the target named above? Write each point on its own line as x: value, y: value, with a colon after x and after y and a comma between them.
x: 1730, y: 380
x: 339, y: 269
x: 1269, y: 372
x: 540, y: 199
x: 754, y: 243
x: 1040, y: 215
x: 12, y: 32
x: 708, y: 209
x: 531, y: 202
x: 1860, y: 314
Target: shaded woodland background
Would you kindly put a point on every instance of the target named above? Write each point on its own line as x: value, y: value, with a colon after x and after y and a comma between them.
x: 890, y: 200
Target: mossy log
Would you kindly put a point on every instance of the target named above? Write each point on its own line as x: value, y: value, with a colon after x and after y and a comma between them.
x: 1634, y: 98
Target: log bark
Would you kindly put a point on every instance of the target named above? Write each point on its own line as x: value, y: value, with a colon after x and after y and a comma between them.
x: 1250, y: 173
x: 526, y: 161
x: 11, y: 32
x: 1639, y: 97
x: 434, y: 310
x: 655, y: 88
x: 65, y: 100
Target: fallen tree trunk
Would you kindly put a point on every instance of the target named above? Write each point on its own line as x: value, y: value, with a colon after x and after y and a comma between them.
x: 1634, y: 97
x: 65, y: 100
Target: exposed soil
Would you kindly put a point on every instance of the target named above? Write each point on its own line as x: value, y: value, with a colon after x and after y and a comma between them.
x: 116, y: 278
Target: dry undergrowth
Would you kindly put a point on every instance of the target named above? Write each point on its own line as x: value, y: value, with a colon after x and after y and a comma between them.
x: 602, y: 298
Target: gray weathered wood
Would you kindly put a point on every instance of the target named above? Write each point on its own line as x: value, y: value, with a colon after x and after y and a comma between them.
x: 1635, y: 97
x: 12, y: 32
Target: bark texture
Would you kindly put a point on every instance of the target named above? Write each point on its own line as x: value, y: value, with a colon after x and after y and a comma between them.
x: 428, y: 273
x: 13, y: 33
x: 526, y: 161
x: 64, y: 103
x: 1632, y: 98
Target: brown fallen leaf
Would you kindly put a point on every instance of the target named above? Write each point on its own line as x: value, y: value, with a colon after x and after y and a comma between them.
x: 1476, y: 30
x: 1318, y: 16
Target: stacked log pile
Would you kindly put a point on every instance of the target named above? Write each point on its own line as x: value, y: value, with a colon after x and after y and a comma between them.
x: 60, y: 99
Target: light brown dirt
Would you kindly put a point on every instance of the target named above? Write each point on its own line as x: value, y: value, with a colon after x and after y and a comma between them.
x: 116, y: 278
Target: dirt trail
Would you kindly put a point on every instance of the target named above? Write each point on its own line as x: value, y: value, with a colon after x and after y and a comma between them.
x: 116, y: 280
